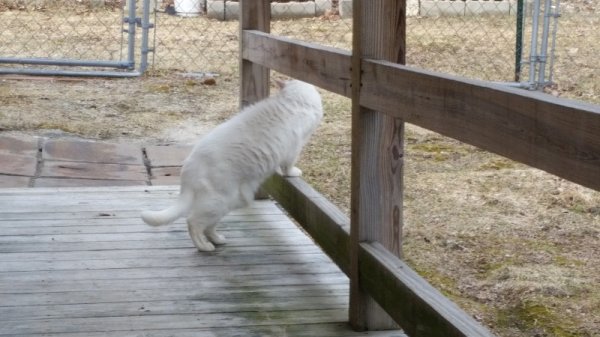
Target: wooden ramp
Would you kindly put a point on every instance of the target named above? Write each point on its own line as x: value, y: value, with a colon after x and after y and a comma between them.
x: 80, y: 262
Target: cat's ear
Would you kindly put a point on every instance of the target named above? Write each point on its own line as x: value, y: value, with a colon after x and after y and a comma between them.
x: 280, y: 83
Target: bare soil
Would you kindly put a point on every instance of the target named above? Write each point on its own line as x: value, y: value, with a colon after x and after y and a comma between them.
x: 514, y: 246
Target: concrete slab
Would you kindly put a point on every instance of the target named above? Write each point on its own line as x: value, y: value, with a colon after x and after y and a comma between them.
x: 72, y: 162
x: 293, y: 10
x: 14, y: 181
x: 440, y: 8
x: 487, y: 7
x: 92, y: 152
x: 13, y: 164
x: 172, y: 171
x: 65, y: 169
x: 166, y: 175
x: 21, y: 145
x: 230, y: 10
x: 165, y: 181
x: 69, y: 182
x: 322, y: 7
x: 345, y: 9
x: 167, y: 155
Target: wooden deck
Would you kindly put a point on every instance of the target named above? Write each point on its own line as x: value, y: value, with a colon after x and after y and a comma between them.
x: 80, y: 262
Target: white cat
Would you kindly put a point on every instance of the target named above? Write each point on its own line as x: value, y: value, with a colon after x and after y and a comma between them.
x: 227, y: 166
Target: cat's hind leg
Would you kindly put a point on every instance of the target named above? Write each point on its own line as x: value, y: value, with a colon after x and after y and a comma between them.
x: 201, y: 224
x: 196, y: 231
x: 215, y: 237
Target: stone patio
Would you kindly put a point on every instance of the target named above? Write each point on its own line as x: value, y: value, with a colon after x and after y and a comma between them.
x: 29, y: 161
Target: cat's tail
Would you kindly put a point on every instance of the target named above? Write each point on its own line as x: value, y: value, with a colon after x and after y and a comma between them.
x: 166, y: 216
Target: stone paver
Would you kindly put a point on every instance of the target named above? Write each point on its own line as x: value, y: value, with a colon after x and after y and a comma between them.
x: 12, y: 164
x: 24, y: 146
x: 92, y: 152
x: 72, y: 162
x: 53, y: 169
x: 166, y: 175
x: 18, y: 160
x: 167, y: 155
x: 157, y: 181
x: 14, y: 181
x: 74, y: 182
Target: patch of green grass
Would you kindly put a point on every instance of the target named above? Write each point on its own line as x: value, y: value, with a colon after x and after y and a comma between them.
x: 445, y: 284
x: 160, y: 88
x: 539, y: 319
x: 497, y: 164
x: 563, y: 261
x: 65, y: 127
x: 437, y: 150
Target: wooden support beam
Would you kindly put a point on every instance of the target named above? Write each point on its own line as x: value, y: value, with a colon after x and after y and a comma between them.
x: 377, y: 155
x: 321, y: 219
x: 421, y: 310
x: 254, y: 77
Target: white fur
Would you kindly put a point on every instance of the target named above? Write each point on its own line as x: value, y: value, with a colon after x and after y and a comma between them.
x: 227, y: 166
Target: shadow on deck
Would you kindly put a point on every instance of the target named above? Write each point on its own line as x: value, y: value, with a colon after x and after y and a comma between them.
x: 79, y: 261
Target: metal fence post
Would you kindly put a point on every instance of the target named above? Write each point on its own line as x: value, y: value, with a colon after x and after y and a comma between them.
x: 130, y: 20
x: 519, y: 41
x: 146, y: 25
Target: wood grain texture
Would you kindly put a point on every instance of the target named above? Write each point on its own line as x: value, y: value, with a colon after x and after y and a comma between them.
x: 420, y: 309
x: 322, y: 220
x: 407, y: 297
x: 377, y: 154
x: 552, y: 134
x: 326, y: 67
x: 65, y: 270
x: 254, y: 78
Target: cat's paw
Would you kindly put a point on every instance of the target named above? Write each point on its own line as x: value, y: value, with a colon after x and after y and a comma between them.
x: 205, y: 246
x: 293, y: 172
x: 216, y: 238
x: 202, y: 243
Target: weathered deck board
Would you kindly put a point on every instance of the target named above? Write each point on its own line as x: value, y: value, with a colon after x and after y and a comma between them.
x: 80, y: 262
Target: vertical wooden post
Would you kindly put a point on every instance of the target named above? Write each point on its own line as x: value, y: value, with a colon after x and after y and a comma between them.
x: 254, y: 79
x: 377, y: 153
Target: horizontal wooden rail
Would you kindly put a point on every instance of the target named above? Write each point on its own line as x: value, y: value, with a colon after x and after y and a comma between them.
x: 326, y: 67
x: 323, y: 221
x: 418, y: 307
x: 555, y: 135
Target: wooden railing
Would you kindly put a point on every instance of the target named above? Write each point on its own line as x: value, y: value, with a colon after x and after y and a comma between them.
x: 559, y: 136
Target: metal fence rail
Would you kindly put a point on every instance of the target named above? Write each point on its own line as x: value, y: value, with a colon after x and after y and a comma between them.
x: 46, y: 38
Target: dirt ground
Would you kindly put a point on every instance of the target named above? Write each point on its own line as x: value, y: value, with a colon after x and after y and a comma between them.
x: 515, y: 247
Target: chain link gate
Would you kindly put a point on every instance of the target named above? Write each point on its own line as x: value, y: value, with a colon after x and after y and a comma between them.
x: 53, y: 37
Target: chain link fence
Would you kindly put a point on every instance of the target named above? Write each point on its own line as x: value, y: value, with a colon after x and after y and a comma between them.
x: 475, y: 39
x: 509, y: 41
x: 75, y: 32
x: 203, y: 35
x: 577, y: 65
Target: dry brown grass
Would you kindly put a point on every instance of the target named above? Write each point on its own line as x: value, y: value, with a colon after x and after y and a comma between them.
x: 514, y: 246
